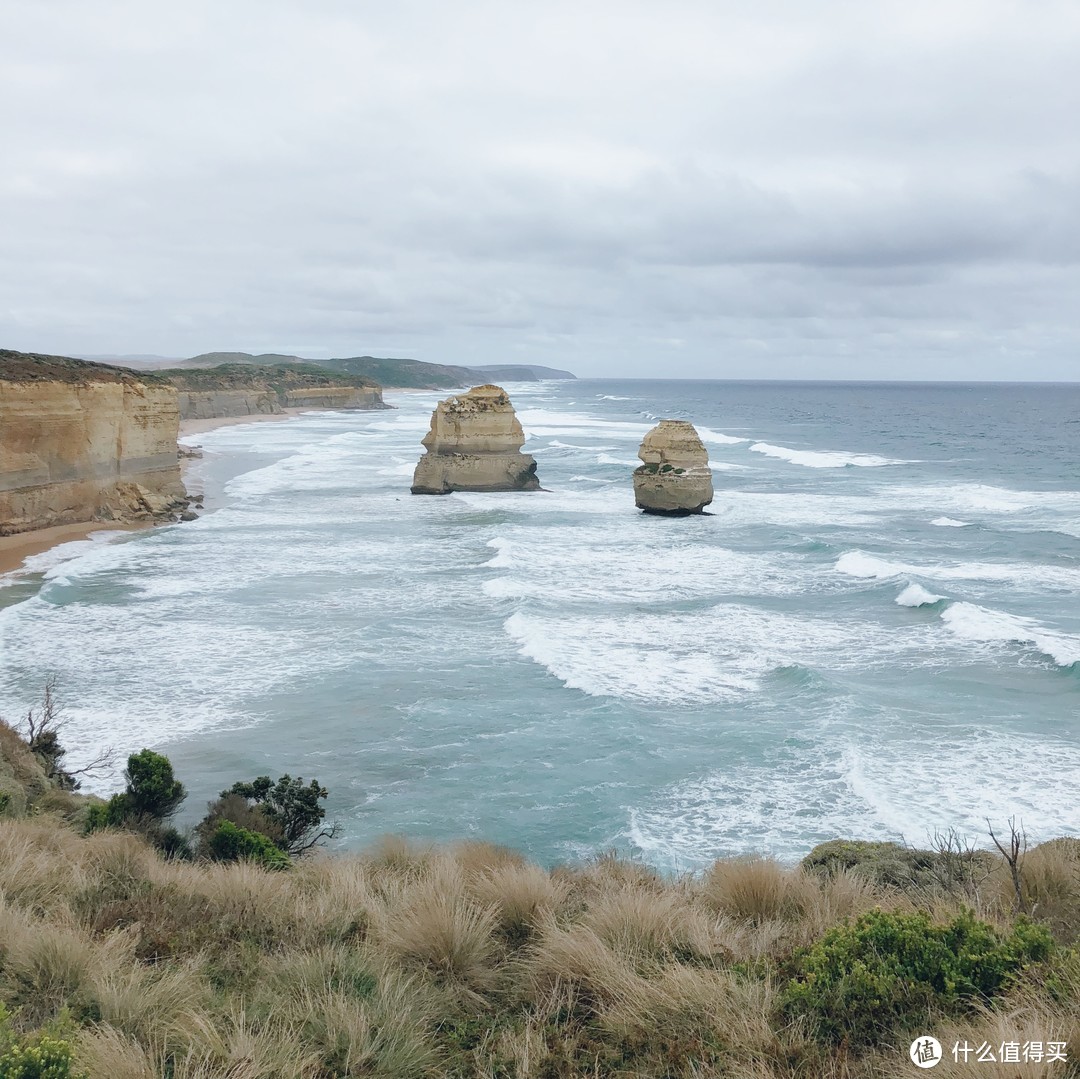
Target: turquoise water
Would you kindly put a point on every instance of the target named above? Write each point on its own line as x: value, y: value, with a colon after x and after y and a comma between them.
x: 876, y: 633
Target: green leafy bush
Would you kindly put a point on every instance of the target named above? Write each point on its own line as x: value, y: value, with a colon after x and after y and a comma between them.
x: 292, y: 810
x: 43, y: 1055
x: 885, y: 971
x: 152, y: 789
x: 152, y: 794
x: 230, y: 843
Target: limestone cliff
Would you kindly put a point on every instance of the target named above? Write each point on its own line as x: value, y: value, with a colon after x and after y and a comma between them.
x: 335, y: 397
x: 474, y: 444
x: 675, y: 479
x: 235, y: 389
x: 82, y: 441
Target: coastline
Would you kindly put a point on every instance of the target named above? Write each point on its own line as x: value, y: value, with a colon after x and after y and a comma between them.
x: 15, y: 550
x: 199, y: 427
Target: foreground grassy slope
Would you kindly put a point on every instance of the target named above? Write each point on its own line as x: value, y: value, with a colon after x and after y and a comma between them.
x: 470, y: 962
x: 467, y: 961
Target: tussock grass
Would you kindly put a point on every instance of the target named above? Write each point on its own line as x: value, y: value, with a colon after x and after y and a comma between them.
x: 467, y: 962
x: 757, y: 890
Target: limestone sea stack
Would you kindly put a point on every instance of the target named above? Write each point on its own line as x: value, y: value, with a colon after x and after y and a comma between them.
x: 475, y: 445
x: 675, y: 479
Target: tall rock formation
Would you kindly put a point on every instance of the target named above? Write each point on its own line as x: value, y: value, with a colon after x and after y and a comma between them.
x: 675, y: 479
x: 475, y: 445
x: 83, y: 441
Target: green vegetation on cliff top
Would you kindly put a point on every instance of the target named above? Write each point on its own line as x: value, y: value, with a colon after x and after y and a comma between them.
x: 36, y: 367
x: 387, y: 371
x: 276, y: 376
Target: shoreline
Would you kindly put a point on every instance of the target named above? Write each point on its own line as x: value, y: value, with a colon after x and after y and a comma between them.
x: 200, y: 427
x: 16, y: 549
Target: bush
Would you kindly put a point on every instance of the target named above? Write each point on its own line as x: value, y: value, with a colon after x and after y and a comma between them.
x: 230, y: 843
x: 291, y: 810
x: 43, y: 1055
x: 152, y: 790
x: 237, y: 810
x: 886, y: 970
x: 151, y: 796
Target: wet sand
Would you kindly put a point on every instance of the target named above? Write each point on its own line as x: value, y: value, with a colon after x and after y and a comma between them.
x: 14, y: 550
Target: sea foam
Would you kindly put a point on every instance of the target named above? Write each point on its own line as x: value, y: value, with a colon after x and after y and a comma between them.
x: 824, y: 458
x: 974, y: 623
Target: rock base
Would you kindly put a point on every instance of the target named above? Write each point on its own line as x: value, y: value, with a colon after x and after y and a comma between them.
x: 444, y: 473
x: 672, y: 494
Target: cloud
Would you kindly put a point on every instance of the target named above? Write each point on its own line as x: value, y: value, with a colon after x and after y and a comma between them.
x: 829, y: 190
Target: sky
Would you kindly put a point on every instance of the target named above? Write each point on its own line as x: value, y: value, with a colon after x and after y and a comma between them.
x: 716, y: 189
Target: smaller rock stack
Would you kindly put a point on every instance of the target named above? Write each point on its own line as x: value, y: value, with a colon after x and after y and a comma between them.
x: 475, y: 445
x: 675, y: 479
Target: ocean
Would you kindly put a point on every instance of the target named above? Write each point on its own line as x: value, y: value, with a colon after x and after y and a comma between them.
x: 875, y: 633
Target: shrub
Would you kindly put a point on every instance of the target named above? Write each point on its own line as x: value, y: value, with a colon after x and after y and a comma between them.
x: 291, y: 809
x: 43, y: 1055
x: 886, y: 970
x: 152, y: 789
x: 230, y: 843
x: 153, y: 794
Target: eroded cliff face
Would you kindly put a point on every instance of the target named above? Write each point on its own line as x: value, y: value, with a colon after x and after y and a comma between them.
x: 474, y: 444
x: 335, y: 397
x: 675, y: 479
x: 220, y: 404
x: 82, y: 441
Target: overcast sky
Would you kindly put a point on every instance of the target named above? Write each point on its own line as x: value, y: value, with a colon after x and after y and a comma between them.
x: 720, y: 189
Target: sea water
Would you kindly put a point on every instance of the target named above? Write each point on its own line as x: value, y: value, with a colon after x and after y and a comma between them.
x: 874, y: 633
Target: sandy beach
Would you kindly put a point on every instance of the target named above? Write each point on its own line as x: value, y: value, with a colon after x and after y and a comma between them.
x: 198, y: 427
x: 14, y: 550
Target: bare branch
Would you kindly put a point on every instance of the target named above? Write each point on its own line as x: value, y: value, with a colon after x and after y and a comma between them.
x: 1014, y: 857
x: 43, y: 726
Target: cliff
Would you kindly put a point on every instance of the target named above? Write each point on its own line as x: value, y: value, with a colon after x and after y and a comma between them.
x: 675, y: 479
x: 240, y: 389
x: 82, y: 441
x: 474, y: 444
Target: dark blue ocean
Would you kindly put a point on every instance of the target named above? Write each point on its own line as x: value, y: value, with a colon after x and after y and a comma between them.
x: 876, y: 632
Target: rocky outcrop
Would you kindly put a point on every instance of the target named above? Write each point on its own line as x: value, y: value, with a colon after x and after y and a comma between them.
x: 249, y: 390
x: 475, y: 445
x: 82, y: 441
x: 675, y: 479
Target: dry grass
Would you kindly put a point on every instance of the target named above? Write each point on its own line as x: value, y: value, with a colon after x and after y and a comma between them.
x: 464, y: 962
x: 757, y: 890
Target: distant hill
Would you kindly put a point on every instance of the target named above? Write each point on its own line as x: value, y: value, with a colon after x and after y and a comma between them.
x: 243, y: 375
x: 136, y: 360
x: 520, y: 372
x: 385, y: 371
x: 216, y: 359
